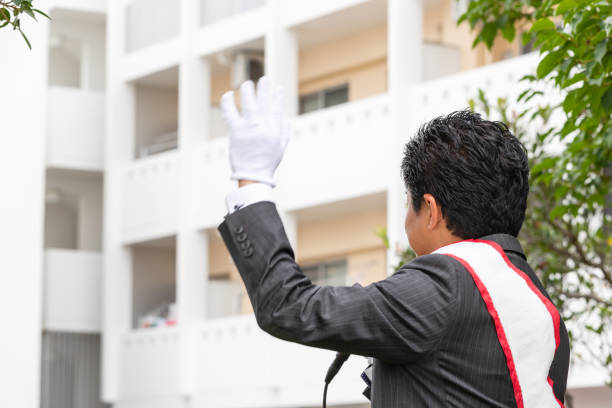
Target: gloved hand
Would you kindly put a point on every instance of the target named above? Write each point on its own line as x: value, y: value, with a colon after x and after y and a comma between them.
x: 258, y: 137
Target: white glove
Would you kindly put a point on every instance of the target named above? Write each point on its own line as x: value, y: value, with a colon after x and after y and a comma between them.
x: 258, y: 137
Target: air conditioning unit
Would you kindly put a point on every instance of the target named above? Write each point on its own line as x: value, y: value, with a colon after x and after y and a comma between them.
x: 247, y: 64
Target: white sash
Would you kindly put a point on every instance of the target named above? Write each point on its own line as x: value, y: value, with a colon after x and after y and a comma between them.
x: 526, y: 322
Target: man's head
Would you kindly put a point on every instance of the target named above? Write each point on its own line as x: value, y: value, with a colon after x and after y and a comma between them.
x: 465, y: 177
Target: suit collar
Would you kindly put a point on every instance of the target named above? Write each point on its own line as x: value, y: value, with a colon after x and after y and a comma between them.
x: 507, y: 242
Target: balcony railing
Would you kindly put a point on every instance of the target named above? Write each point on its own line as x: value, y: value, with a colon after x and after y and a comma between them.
x: 150, y: 21
x: 92, y: 6
x: 216, y: 10
x: 150, y: 363
x: 150, y: 197
x: 344, y: 149
x: 75, y: 128
x: 231, y: 354
x: 72, y: 290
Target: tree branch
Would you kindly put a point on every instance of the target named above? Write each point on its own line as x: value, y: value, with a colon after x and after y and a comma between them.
x: 587, y: 296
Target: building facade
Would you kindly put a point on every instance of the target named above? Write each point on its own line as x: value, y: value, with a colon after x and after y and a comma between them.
x: 141, y: 303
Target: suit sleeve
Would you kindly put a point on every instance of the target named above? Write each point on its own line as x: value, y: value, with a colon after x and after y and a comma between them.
x: 396, y: 320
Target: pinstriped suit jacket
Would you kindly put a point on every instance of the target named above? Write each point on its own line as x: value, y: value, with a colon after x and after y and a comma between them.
x: 433, y: 341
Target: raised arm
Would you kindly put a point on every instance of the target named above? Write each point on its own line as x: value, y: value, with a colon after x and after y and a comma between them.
x: 398, y: 319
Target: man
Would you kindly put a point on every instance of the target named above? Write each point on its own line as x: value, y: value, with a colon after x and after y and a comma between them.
x: 465, y: 324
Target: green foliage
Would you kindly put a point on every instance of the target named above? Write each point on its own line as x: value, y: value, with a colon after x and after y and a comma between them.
x: 568, y: 227
x: 565, y: 250
x: 11, y: 12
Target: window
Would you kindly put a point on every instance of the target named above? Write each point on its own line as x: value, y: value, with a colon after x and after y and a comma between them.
x: 333, y: 273
x: 324, y: 98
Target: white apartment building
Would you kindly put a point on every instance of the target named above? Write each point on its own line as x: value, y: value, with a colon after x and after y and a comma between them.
x: 128, y: 297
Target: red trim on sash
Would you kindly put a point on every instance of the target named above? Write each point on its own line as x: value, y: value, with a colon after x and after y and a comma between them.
x: 501, y: 335
x: 552, y: 310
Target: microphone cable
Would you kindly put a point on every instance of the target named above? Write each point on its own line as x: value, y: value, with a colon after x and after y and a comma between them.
x: 332, y: 371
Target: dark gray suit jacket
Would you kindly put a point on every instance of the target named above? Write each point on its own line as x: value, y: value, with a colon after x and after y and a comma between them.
x: 433, y: 341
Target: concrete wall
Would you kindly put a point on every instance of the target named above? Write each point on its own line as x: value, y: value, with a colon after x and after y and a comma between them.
x: 439, y: 27
x: 22, y: 112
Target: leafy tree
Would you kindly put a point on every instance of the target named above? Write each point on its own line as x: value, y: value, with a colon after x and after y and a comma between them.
x: 11, y: 12
x: 571, y: 262
x: 567, y: 233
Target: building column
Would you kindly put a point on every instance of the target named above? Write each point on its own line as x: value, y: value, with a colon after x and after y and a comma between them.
x: 282, y: 55
x: 194, y: 81
x: 405, y: 61
x: 119, y: 150
x: 281, y: 66
x: 291, y: 228
x: 191, y: 243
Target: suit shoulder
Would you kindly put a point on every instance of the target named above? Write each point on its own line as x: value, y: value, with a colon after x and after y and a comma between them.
x: 432, y: 263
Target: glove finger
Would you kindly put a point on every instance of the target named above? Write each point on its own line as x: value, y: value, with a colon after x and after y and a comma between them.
x: 228, y: 108
x: 247, y: 99
x: 263, y: 93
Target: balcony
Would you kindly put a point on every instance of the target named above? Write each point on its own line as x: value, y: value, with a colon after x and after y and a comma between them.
x: 231, y: 354
x: 72, y: 290
x: 150, y: 197
x: 212, y: 11
x: 89, y: 6
x: 344, y: 148
x: 150, y: 22
x: 75, y: 128
x: 149, y: 361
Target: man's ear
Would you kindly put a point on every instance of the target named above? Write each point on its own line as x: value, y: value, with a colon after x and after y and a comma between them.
x: 435, y: 212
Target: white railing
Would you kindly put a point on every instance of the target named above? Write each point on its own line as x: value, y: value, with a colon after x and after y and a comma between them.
x: 300, y: 11
x: 452, y: 92
x: 336, y: 153
x: 212, y: 11
x: 150, y: 21
x: 232, y: 363
x: 75, y: 128
x: 150, y: 197
x: 72, y: 290
x: 150, y: 363
x: 92, y: 6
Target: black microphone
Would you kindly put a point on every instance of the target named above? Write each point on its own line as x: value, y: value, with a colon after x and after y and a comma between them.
x: 332, y: 371
x: 335, y: 366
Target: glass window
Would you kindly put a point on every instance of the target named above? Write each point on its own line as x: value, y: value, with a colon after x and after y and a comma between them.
x: 336, y: 96
x: 324, y: 98
x: 333, y: 273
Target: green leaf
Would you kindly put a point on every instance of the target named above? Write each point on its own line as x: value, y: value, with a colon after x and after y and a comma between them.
x: 40, y: 12
x: 5, y: 14
x: 565, y: 6
x: 606, y: 100
x: 29, y: 13
x: 508, y: 31
x: 526, y: 37
x: 542, y: 24
x: 549, y: 62
x: 600, y: 50
x: 26, y: 39
x: 488, y: 33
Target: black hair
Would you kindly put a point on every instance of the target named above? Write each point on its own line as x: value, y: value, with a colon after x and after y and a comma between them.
x: 476, y: 169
